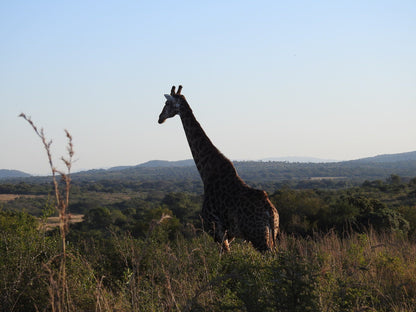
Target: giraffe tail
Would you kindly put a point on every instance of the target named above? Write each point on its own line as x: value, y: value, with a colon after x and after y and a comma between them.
x: 273, y: 224
x: 272, y: 237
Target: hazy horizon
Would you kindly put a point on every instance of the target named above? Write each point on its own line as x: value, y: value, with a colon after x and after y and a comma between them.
x: 290, y: 159
x: 330, y: 80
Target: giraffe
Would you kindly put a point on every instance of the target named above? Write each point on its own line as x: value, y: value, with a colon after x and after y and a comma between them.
x: 230, y: 207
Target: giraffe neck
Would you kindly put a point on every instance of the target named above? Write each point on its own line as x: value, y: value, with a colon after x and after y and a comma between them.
x: 211, y: 163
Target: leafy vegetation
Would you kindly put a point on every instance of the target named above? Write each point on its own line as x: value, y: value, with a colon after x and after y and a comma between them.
x: 388, y: 204
x: 345, y: 249
x: 172, y: 267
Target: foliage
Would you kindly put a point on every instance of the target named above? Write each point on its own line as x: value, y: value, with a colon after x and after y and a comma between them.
x: 186, y: 272
x: 284, y: 280
x: 23, y: 249
x: 378, y: 205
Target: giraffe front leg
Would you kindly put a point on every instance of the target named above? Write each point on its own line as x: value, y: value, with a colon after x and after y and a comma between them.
x: 226, y: 245
x: 220, y: 236
x: 213, y: 225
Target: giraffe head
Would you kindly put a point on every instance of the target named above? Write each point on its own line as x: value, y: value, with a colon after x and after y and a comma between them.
x: 172, y: 105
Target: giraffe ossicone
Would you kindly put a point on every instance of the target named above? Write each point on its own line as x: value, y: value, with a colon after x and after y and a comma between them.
x: 230, y: 208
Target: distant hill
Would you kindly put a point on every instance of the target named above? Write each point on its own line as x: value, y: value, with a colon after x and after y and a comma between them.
x: 10, y: 174
x: 300, y: 159
x: 156, y: 164
x: 166, y: 163
x: 159, y: 172
x: 371, y: 168
x: 388, y: 158
x: 409, y: 156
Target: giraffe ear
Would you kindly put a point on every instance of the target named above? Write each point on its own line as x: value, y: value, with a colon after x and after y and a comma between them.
x: 169, y: 98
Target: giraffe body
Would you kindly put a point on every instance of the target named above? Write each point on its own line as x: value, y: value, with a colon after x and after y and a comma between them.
x: 230, y: 208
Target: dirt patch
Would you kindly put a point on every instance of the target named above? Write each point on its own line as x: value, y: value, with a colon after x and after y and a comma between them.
x: 9, y: 197
x: 53, y: 222
x: 326, y: 178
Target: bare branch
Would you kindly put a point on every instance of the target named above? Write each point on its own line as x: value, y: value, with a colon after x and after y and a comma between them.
x: 62, y: 203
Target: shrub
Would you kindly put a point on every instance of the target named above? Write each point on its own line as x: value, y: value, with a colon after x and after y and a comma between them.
x: 23, y: 249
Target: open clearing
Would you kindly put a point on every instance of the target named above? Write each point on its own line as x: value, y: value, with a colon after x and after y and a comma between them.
x: 53, y: 222
x: 326, y: 178
x: 9, y: 197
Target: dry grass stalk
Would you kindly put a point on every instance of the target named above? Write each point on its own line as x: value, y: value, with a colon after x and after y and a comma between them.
x: 59, y: 294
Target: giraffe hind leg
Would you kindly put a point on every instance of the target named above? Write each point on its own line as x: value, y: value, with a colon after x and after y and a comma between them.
x: 226, y: 245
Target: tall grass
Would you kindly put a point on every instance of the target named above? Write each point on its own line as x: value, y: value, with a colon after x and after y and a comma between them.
x: 58, y: 291
x: 370, y: 272
x: 362, y: 272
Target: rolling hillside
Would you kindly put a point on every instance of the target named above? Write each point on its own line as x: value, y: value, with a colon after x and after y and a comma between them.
x: 388, y: 158
x: 8, y: 174
x: 372, y: 168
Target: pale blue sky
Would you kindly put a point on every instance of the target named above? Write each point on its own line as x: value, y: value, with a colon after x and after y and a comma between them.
x: 328, y: 79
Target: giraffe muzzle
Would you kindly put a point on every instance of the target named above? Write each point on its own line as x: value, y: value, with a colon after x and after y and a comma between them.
x: 161, y: 120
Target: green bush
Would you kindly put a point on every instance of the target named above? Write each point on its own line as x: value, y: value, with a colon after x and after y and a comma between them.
x: 284, y: 280
x: 23, y: 250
